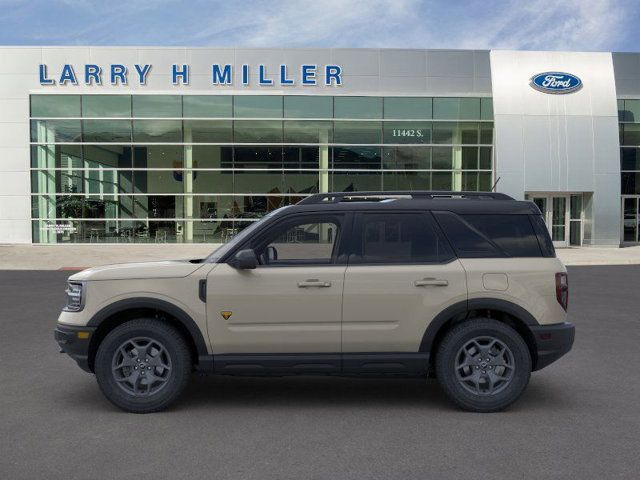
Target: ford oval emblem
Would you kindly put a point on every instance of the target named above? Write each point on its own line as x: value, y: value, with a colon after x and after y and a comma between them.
x: 556, y: 82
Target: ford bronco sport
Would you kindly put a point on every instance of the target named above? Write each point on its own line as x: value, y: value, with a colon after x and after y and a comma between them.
x: 462, y: 286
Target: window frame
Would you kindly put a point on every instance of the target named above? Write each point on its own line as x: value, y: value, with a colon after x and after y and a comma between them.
x: 357, y: 234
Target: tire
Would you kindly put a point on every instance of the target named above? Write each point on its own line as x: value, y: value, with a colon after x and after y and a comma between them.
x: 143, y: 365
x: 471, y: 365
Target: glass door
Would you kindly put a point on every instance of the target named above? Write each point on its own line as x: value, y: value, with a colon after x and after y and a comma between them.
x: 575, y: 220
x: 563, y: 216
x: 559, y: 221
x: 541, y: 202
x: 630, y: 220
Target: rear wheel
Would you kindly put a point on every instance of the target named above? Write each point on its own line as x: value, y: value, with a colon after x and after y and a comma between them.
x: 143, y: 365
x: 483, y: 365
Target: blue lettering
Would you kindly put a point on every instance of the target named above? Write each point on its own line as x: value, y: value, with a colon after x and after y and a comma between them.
x: 333, y: 74
x: 43, y: 76
x: 309, y: 74
x: 262, y: 76
x: 68, y: 75
x: 142, y: 70
x: 118, y: 73
x: 183, y: 74
x: 283, y: 76
x: 92, y: 74
x: 245, y: 74
x: 221, y: 77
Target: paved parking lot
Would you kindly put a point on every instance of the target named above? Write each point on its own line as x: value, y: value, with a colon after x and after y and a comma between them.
x: 580, y: 418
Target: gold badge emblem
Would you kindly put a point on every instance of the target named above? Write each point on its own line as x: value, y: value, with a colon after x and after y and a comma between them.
x: 226, y: 314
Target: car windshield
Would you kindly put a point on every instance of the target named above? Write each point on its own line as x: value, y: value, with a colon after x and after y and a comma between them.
x: 219, y: 253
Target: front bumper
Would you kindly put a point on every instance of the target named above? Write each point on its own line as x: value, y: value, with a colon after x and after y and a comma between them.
x: 552, y: 342
x: 75, y: 341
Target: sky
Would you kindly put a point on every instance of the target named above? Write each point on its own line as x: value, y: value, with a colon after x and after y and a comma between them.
x: 586, y: 25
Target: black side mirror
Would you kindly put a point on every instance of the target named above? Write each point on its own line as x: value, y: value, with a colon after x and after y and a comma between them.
x: 244, y: 260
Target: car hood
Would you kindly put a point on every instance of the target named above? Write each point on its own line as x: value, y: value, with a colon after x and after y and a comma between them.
x: 142, y: 270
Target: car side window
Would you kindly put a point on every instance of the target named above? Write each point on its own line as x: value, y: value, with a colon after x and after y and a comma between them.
x: 467, y: 240
x: 303, y: 241
x: 399, y: 238
x: 514, y: 234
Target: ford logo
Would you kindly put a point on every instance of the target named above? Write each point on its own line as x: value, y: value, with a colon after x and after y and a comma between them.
x: 556, y: 82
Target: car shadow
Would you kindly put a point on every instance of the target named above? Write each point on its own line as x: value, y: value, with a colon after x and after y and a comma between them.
x: 301, y: 391
x: 226, y: 392
x: 312, y: 392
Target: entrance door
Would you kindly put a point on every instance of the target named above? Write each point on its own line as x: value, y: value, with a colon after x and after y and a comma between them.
x: 558, y: 221
x: 563, y: 216
x: 630, y: 220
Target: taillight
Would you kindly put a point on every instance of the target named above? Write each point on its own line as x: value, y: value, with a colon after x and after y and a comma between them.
x: 562, y: 289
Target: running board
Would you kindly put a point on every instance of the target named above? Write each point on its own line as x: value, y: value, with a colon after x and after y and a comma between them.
x: 346, y: 364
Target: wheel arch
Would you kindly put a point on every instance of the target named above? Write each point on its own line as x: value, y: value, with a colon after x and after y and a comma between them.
x: 119, y: 312
x: 504, y: 311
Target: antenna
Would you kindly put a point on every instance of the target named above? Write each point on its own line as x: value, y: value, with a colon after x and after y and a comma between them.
x: 493, y: 189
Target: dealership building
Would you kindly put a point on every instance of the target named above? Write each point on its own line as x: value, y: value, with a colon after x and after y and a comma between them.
x: 190, y: 145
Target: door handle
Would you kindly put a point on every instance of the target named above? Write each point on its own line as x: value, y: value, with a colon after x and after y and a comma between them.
x: 313, y: 283
x: 431, y: 282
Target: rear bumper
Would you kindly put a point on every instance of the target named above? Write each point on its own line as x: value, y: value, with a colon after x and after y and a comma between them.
x: 74, y: 345
x: 552, y: 342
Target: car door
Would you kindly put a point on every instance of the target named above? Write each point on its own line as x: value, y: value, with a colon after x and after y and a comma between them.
x: 292, y: 302
x: 401, y: 274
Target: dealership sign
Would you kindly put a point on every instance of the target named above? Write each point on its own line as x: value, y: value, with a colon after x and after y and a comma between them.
x: 556, y: 82
x: 219, y: 74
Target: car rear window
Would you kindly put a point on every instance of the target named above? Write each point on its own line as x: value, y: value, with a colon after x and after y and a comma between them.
x: 514, y: 234
x: 466, y: 240
x: 490, y: 235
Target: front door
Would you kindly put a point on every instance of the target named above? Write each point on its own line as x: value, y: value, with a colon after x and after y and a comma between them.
x: 558, y: 221
x: 559, y: 213
x: 292, y: 302
x: 402, y: 273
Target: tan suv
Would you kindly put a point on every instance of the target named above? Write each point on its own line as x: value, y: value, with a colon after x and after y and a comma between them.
x: 465, y: 287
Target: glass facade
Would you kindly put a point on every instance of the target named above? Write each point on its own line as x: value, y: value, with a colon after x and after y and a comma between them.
x: 172, y: 168
x: 629, y: 118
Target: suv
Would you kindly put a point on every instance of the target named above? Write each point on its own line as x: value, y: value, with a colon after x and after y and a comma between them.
x: 462, y: 286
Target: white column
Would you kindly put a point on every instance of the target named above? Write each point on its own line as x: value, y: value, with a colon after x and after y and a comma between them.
x: 323, y: 181
x: 187, y: 181
x: 456, y: 181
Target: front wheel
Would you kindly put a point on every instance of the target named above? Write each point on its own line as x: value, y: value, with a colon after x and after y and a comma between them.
x: 143, y: 365
x: 483, y: 365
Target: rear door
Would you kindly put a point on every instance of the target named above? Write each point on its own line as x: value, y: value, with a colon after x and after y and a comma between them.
x: 401, y: 274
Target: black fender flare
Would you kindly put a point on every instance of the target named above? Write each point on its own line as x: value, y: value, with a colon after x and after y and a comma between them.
x: 464, y: 307
x: 155, y: 304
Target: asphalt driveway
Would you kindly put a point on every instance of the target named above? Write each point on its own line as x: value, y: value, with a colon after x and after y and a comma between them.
x: 580, y: 418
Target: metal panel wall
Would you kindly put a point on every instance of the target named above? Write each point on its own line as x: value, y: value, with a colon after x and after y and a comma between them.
x: 559, y: 142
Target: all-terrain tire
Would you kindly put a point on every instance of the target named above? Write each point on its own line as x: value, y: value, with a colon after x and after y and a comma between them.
x: 153, y: 353
x: 470, y: 378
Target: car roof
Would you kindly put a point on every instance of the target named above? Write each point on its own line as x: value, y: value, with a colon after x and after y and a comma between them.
x: 457, y: 202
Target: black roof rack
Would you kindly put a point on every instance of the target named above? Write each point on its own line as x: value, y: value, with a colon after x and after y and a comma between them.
x: 337, y: 197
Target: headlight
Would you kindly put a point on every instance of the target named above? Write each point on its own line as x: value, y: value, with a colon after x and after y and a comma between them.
x: 75, y: 297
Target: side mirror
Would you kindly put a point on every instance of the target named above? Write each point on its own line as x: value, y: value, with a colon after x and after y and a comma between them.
x: 244, y: 260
